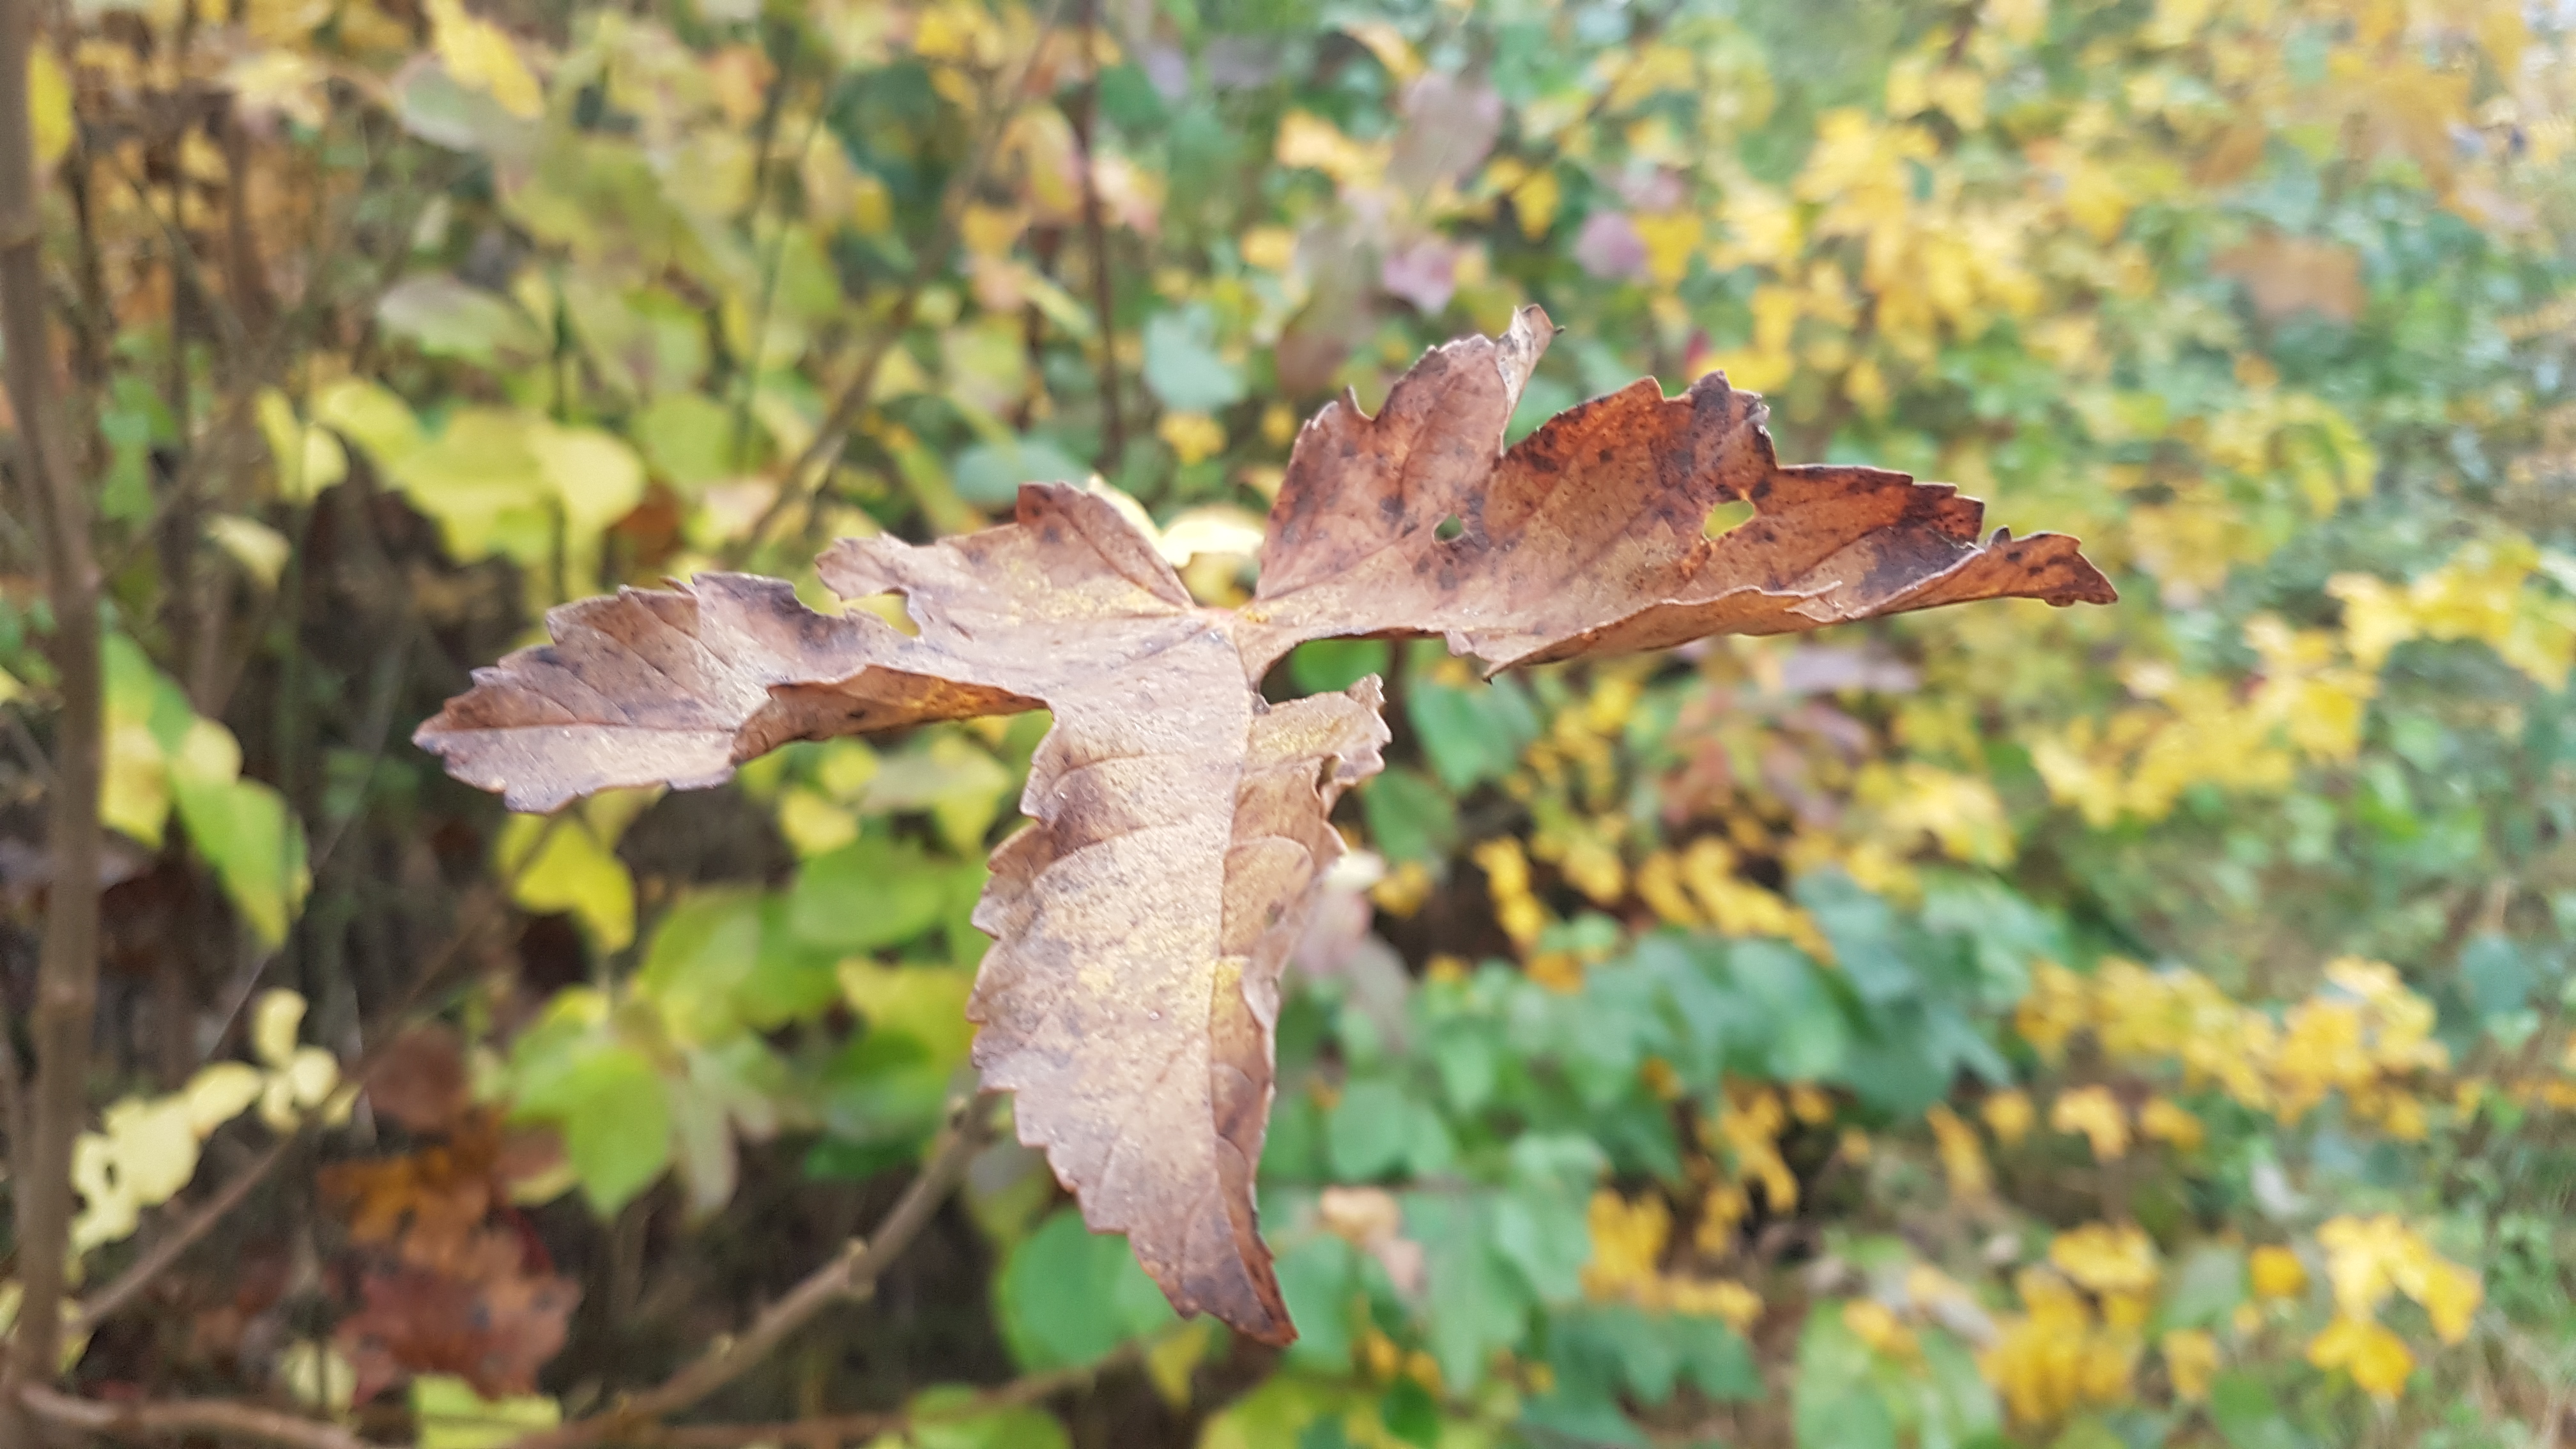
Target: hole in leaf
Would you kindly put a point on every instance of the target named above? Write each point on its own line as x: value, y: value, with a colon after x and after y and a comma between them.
x: 1725, y: 518
x: 1449, y: 528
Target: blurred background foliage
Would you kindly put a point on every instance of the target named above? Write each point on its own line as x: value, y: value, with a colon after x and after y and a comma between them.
x: 2130, y: 1026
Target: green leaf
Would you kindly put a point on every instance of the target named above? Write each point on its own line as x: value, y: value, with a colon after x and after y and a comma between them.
x: 1409, y: 818
x: 1476, y: 1302
x: 1068, y: 1296
x: 452, y: 1416
x: 705, y: 948
x: 1370, y: 1130
x: 1182, y: 364
x: 2247, y: 1415
x: 989, y: 475
x: 890, y: 1087
x: 612, y: 1107
x: 445, y: 317
x: 940, y: 1421
x: 255, y: 844
x: 1833, y: 1405
x: 1320, y: 1280
x: 1324, y: 666
x: 868, y: 895
x: 1805, y: 1034
x: 687, y: 437
x: 1471, y: 734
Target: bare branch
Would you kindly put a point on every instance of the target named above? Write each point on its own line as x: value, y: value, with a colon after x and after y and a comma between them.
x: 852, y: 1273
x: 173, y: 1417
x: 847, y: 1428
x: 67, y: 976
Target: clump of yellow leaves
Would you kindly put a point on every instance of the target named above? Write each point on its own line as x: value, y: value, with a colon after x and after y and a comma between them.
x: 2057, y: 1356
x: 2367, y: 1259
x: 1628, y: 1241
x: 2366, y: 1036
x: 149, y: 1148
x: 2492, y: 593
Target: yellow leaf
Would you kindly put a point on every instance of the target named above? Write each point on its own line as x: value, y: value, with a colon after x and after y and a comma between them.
x: 2094, y: 1112
x: 218, y: 1093
x: 155, y: 1149
x: 1308, y: 140
x: 49, y: 107
x: 308, y: 459
x: 2191, y: 1361
x: 1627, y: 1242
x: 305, y: 1082
x: 1963, y: 1158
x: 1170, y: 1362
x: 598, y: 477
x: 1389, y: 46
x: 134, y: 793
x: 208, y: 755
x: 2163, y: 1121
x: 110, y: 1211
x: 569, y: 871
x: 258, y: 548
x: 1535, y: 201
x: 2377, y: 1359
x: 1193, y: 437
x: 479, y: 56
x: 2106, y: 1258
x: 2277, y: 1272
x: 274, y: 1020
x: 2009, y: 1116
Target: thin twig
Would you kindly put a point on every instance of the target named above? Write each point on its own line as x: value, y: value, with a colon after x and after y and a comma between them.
x: 845, y: 1428
x: 812, y: 470
x: 172, y: 1417
x: 852, y: 1272
x: 13, y: 1105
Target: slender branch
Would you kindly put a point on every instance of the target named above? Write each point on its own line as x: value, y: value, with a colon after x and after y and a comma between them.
x: 173, y: 1417
x: 812, y: 469
x: 67, y: 976
x: 1084, y: 116
x: 852, y: 1273
x: 846, y: 1428
x: 13, y: 1103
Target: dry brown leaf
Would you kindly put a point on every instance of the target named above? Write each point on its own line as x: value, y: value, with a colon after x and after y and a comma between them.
x: 495, y: 1323
x: 421, y: 1081
x: 1180, y: 822
x: 2284, y: 275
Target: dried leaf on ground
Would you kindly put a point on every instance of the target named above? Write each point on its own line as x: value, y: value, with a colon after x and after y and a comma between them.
x: 1180, y: 821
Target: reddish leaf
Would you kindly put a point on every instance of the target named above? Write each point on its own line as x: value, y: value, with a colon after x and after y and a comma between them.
x: 1181, y: 821
x: 494, y: 1324
x: 421, y: 1081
